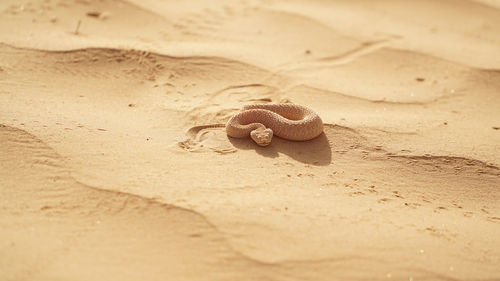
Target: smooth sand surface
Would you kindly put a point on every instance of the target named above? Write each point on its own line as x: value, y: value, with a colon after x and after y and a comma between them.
x: 108, y: 170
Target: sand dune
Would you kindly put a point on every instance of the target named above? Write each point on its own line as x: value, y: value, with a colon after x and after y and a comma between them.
x: 114, y: 162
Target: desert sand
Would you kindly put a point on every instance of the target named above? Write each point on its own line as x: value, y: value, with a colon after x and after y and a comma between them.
x: 109, y: 170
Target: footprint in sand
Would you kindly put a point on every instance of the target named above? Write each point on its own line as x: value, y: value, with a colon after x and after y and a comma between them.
x: 207, y: 138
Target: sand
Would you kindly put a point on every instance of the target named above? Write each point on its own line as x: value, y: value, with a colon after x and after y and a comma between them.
x: 108, y: 170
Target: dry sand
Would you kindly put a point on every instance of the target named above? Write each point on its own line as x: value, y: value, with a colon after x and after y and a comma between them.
x: 107, y: 173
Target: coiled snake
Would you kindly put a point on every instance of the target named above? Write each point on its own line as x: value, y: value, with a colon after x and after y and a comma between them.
x: 288, y: 121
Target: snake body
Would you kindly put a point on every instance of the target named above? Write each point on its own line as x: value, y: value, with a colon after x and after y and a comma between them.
x: 288, y: 121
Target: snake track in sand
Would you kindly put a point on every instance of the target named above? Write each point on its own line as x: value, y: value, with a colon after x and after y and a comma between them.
x: 287, y: 121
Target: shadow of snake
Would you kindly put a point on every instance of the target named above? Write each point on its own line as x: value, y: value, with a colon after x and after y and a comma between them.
x: 315, y: 152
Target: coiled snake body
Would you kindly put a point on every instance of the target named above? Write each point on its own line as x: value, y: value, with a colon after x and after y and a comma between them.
x: 288, y: 121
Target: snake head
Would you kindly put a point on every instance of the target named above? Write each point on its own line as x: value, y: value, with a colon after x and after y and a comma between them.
x: 262, y: 137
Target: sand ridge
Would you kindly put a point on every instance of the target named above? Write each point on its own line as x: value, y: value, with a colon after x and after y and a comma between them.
x: 94, y: 208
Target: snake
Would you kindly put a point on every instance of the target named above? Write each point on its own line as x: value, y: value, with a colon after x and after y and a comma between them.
x: 288, y: 121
